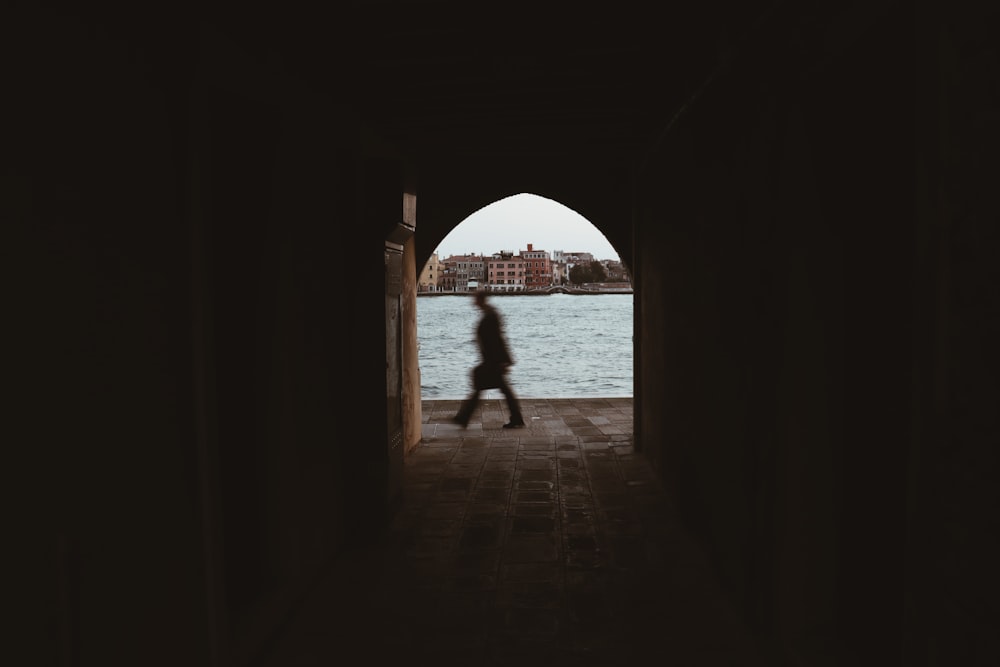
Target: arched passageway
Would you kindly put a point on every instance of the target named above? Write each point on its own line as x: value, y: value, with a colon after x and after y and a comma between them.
x: 200, y: 203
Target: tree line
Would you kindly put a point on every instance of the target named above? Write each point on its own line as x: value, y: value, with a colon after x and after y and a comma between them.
x: 588, y: 273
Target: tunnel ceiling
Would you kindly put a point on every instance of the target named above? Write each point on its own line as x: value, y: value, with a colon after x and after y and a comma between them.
x: 513, y: 78
x: 556, y: 98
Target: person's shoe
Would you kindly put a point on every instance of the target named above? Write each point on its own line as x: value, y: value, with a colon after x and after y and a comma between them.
x: 514, y: 424
x: 459, y: 421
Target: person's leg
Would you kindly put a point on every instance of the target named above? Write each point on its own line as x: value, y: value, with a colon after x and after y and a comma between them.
x: 469, y: 404
x: 467, y: 408
x: 513, y: 405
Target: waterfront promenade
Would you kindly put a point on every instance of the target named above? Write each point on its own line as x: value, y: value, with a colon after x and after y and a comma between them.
x: 551, y: 545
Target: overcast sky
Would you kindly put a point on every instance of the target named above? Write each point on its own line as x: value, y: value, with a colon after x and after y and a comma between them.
x: 514, y: 222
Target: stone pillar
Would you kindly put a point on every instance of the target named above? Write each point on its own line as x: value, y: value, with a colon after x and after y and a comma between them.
x: 412, y: 415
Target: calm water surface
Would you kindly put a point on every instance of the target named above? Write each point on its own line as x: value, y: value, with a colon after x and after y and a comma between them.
x: 564, y: 346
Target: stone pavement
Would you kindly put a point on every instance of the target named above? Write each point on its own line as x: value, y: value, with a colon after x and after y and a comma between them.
x: 550, y: 545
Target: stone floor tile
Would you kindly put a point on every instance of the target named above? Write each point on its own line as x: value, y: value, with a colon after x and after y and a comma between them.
x: 551, y: 572
x: 530, y: 548
x: 549, y: 509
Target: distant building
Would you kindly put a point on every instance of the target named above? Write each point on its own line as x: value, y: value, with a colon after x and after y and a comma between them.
x: 578, y: 257
x: 447, y: 280
x: 505, y: 272
x: 537, y: 268
x: 616, y: 271
x: 428, y: 280
x: 469, y: 269
x: 559, y: 276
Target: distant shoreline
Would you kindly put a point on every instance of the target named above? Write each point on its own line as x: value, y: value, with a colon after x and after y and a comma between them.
x: 561, y: 290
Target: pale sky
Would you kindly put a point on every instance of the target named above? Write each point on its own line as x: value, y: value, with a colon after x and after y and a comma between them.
x: 514, y: 222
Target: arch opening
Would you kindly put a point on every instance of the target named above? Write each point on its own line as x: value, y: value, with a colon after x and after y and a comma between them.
x: 570, y: 323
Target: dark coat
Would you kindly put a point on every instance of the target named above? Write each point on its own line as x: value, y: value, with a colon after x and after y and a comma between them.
x: 493, y: 350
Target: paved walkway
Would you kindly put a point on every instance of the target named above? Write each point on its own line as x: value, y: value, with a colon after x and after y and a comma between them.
x: 550, y: 545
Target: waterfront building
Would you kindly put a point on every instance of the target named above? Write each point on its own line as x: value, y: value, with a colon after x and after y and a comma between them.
x: 558, y: 272
x: 447, y: 280
x: 537, y: 268
x: 428, y: 280
x: 505, y: 272
x: 469, y: 269
x: 615, y: 271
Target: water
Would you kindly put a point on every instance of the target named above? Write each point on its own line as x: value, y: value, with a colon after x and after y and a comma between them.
x: 564, y: 346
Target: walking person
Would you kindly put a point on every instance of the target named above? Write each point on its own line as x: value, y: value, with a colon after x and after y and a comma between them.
x: 494, y: 364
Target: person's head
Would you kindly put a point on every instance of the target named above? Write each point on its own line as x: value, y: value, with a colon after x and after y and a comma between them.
x: 479, y: 298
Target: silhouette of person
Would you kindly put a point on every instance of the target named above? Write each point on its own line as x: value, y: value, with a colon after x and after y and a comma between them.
x: 494, y: 363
